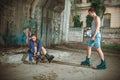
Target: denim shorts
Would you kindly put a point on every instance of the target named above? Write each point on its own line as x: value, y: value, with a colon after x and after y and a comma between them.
x: 96, y: 43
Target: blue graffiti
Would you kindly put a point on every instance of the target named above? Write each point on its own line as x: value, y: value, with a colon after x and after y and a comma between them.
x: 27, y: 24
x: 32, y: 23
x: 22, y: 39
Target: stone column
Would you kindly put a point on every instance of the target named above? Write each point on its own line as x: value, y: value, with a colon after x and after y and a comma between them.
x: 32, y: 7
x: 65, y: 16
x: 38, y: 16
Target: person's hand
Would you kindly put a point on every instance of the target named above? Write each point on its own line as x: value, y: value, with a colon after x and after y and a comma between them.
x: 92, y: 39
x: 85, y: 29
x: 35, y: 54
x: 27, y: 40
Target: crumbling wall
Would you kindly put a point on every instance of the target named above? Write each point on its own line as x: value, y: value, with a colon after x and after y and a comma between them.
x: 110, y: 36
x: 49, y: 30
x: 11, y: 16
x: 15, y: 16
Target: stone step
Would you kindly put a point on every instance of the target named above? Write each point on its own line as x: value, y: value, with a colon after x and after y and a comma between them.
x: 17, y: 58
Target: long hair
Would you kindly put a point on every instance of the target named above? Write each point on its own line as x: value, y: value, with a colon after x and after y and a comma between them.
x: 35, y: 36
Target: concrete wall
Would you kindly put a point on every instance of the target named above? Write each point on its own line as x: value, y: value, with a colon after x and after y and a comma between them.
x: 115, y: 16
x: 112, y: 7
x: 110, y: 36
x: 75, y: 35
x: 12, y: 15
x: 112, y: 2
x: 65, y: 16
x: 15, y: 16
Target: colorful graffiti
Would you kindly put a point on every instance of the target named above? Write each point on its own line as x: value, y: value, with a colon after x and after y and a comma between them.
x: 23, y: 38
x: 28, y: 27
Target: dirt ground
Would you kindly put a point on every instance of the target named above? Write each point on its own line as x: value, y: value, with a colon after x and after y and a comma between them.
x: 66, y: 66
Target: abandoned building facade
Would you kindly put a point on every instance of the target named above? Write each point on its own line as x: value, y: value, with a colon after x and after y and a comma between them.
x: 52, y: 20
x: 110, y: 25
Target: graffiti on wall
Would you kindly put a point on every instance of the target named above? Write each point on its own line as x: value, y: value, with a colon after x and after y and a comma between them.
x: 28, y: 28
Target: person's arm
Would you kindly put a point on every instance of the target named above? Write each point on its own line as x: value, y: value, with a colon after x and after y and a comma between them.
x: 86, y: 28
x: 97, y: 21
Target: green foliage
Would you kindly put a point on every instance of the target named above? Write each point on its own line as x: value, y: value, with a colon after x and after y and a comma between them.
x: 76, y: 1
x: 112, y: 47
x: 88, y: 21
x: 99, y: 8
x: 77, y: 22
x: 96, y: 1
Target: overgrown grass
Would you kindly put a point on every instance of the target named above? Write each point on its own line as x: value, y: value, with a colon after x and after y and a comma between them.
x: 111, y: 47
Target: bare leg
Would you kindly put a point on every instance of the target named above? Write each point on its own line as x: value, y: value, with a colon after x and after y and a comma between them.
x: 44, y: 51
x: 102, y: 65
x: 100, y: 53
x: 87, y: 61
x: 49, y: 57
x: 88, y: 51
